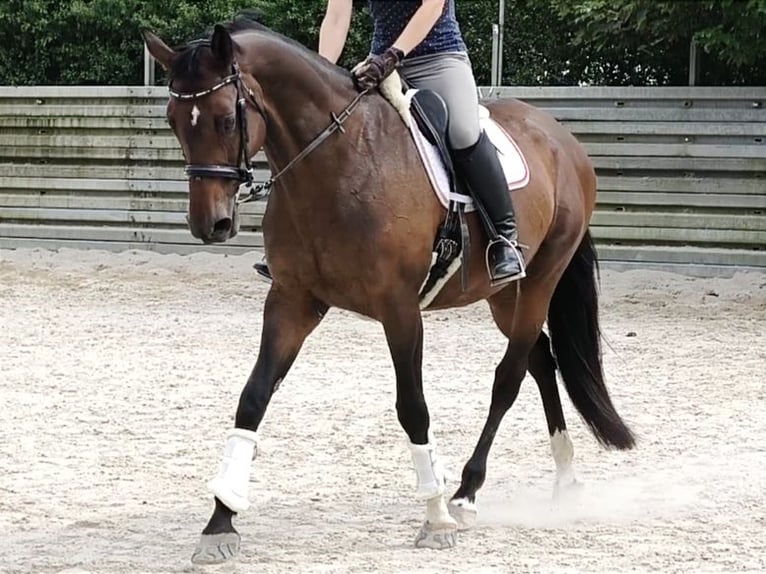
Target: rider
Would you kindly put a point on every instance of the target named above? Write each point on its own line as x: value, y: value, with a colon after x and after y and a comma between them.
x: 422, y: 40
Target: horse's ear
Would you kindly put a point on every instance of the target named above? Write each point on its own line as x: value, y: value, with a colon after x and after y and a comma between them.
x: 159, y: 49
x: 222, y: 45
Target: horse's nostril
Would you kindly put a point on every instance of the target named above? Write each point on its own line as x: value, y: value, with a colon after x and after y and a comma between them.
x: 222, y: 226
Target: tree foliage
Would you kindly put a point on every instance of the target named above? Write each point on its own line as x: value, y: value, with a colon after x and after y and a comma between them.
x: 535, y: 42
x: 301, y: 21
x: 654, y: 39
x: 92, y: 41
x: 546, y: 42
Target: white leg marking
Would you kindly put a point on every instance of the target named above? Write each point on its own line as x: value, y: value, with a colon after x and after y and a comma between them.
x: 231, y: 483
x: 464, y: 511
x: 195, y: 113
x: 437, y: 513
x: 439, y: 529
x: 462, y: 503
x: 563, y: 453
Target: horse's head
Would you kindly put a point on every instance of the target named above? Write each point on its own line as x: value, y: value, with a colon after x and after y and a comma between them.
x: 216, y: 114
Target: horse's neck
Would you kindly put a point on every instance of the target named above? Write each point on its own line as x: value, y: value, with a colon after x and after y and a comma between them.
x: 300, y: 97
x: 343, y: 174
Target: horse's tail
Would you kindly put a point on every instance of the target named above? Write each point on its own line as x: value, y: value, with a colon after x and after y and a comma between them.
x: 575, y: 338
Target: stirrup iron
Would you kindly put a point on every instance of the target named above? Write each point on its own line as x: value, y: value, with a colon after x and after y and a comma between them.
x: 516, y: 248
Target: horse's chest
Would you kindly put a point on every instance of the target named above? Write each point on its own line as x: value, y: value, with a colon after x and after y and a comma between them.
x: 324, y: 242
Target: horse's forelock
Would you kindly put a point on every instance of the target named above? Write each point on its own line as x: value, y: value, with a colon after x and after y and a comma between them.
x: 187, y: 63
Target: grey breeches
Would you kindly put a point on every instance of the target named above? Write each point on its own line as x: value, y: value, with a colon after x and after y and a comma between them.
x: 450, y: 75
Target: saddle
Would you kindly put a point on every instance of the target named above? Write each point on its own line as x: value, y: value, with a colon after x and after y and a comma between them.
x: 426, y: 115
x: 431, y: 115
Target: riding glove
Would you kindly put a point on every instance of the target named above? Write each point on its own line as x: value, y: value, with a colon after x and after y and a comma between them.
x: 370, y: 73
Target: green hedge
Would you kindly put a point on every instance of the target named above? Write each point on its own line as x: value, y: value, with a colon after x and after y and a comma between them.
x: 547, y: 42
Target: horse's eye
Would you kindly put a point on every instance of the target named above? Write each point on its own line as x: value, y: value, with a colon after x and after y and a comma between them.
x: 227, y: 124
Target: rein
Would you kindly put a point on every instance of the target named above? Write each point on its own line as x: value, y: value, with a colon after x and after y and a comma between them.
x: 244, y: 175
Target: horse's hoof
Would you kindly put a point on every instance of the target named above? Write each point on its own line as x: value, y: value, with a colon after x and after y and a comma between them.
x: 464, y: 512
x: 437, y: 537
x: 216, y: 548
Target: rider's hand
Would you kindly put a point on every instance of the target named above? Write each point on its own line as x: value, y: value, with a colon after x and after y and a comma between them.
x: 370, y: 73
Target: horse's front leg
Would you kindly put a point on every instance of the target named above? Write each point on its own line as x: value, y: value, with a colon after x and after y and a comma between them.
x: 404, y: 333
x: 288, y: 318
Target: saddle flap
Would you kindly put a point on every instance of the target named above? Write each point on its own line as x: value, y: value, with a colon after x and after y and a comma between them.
x: 431, y: 115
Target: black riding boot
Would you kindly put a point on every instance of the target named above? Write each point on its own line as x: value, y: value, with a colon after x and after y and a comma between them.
x: 480, y: 170
x: 262, y: 269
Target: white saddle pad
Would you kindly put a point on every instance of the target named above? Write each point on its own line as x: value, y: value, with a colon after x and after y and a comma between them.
x: 513, y: 162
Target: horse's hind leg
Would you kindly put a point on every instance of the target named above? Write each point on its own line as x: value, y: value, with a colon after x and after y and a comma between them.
x: 542, y: 367
x: 404, y: 333
x: 520, y: 316
x: 288, y: 318
x: 521, y: 323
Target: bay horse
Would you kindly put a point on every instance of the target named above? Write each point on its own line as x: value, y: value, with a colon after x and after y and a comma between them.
x: 352, y: 225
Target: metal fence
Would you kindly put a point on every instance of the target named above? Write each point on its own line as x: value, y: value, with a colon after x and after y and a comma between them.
x: 682, y: 172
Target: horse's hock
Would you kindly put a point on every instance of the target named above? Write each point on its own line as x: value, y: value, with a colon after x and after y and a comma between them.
x: 681, y: 172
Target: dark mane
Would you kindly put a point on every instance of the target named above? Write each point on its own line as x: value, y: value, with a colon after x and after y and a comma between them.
x: 248, y: 20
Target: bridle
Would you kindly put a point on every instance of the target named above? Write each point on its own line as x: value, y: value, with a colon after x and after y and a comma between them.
x: 243, y: 172
x: 243, y: 175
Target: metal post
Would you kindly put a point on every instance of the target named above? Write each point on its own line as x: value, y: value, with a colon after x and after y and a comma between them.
x: 148, y: 67
x: 495, y: 38
x: 694, y: 64
x: 501, y: 26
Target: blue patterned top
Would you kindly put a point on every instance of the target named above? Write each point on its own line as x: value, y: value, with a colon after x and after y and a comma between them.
x: 391, y: 16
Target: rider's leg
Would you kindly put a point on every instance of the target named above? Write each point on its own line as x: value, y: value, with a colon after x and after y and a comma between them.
x: 482, y: 173
x: 474, y: 156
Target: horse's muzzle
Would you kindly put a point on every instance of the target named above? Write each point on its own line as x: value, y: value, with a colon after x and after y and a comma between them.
x: 213, y: 215
x: 221, y: 231
x: 216, y: 230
